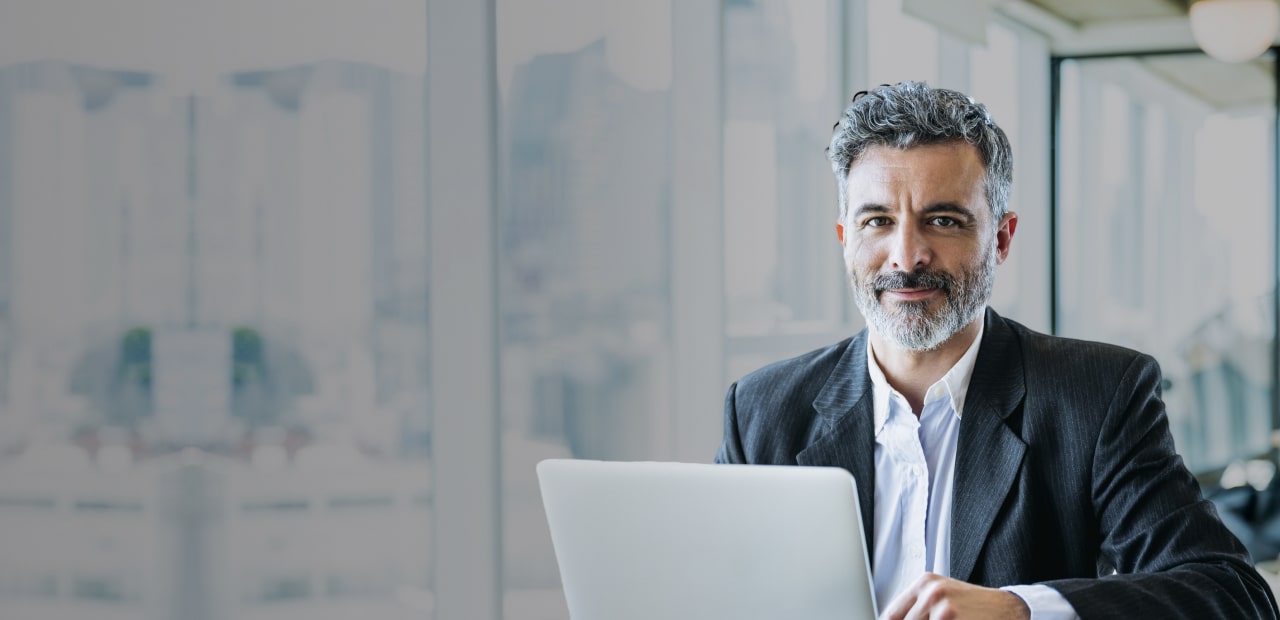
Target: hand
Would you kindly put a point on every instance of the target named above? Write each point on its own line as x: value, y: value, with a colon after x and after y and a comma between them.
x: 942, y: 598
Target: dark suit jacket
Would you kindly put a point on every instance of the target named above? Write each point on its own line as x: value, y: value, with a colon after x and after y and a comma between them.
x: 1065, y: 470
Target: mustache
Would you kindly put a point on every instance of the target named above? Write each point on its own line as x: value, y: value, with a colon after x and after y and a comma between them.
x: 920, y: 278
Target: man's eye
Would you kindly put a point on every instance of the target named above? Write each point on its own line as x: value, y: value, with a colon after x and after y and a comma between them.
x: 945, y: 222
x: 876, y: 222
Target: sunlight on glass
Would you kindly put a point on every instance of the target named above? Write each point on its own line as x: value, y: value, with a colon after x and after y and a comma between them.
x: 193, y: 43
x: 1232, y: 161
x: 993, y: 78
x: 995, y: 81
x: 639, y: 43
x: 1115, y: 132
x: 809, y: 25
x: 1166, y: 224
x: 900, y: 47
x: 636, y: 36
x: 750, y: 161
x: 213, y: 330
x: 584, y: 223
x: 782, y: 82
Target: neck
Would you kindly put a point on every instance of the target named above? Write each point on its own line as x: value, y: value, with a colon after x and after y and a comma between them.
x: 912, y: 372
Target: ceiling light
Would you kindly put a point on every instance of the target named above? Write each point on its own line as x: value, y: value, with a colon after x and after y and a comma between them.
x: 1234, y: 30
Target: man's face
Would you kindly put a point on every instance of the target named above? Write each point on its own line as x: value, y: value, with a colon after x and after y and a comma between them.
x: 920, y: 243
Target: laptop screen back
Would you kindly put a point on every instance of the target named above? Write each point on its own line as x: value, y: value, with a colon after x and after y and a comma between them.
x: 681, y: 540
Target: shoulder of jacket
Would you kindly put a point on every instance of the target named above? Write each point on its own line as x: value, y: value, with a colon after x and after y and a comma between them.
x: 1038, y: 345
x: 817, y: 360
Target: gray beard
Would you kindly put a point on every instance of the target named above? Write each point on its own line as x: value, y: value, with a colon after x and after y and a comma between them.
x: 911, y: 325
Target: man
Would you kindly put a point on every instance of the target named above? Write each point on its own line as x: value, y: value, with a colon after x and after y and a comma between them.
x: 1004, y: 473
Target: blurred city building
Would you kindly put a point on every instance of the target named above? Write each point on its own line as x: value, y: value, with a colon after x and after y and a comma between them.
x: 213, y: 360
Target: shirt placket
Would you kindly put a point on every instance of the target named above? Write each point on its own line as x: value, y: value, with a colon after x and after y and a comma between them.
x: 927, y: 432
x: 916, y: 500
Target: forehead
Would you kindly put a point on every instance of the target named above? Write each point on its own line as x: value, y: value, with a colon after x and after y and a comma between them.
x: 952, y: 168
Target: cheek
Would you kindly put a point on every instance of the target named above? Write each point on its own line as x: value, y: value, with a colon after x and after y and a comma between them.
x: 985, y: 249
x: 862, y: 257
x: 850, y: 254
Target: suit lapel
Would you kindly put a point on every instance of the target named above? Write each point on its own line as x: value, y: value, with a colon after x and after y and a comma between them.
x: 845, y: 404
x: 989, y: 453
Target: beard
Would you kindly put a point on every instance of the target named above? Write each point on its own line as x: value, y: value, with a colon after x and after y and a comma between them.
x: 911, y: 325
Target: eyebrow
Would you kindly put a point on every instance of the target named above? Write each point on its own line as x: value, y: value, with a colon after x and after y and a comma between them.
x: 952, y: 208
x: 933, y: 209
x: 870, y: 207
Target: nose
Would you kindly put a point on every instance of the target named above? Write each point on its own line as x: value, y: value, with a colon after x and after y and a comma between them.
x: 910, y: 250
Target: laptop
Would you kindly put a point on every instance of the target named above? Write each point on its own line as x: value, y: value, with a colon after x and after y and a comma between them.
x: 648, y: 540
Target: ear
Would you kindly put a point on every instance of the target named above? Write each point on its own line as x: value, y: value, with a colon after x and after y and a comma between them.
x: 840, y: 231
x: 1004, y: 235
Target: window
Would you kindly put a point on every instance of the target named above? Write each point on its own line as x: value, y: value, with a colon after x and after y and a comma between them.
x: 1006, y: 74
x: 1165, y: 228
x: 213, y: 307
x: 216, y: 280
x: 595, y: 230
x: 784, y: 288
x: 900, y: 47
x: 584, y: 259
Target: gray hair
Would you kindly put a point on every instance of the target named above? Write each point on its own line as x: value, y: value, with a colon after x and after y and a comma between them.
x: 913, y: 114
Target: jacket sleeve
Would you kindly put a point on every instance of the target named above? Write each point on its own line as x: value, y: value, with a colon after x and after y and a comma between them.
x: 731, y: 447
x: 1172, y: 555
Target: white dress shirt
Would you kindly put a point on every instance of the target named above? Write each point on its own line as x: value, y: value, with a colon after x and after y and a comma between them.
x: 915, y: 463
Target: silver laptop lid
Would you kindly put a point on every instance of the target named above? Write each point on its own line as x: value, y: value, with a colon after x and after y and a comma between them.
x: 651, y: 540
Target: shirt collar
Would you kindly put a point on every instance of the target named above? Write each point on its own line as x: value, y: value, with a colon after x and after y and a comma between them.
x: 954, y: 384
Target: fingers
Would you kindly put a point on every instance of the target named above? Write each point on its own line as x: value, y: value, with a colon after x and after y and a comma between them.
x: 914, y: 602
x: 939, y: 598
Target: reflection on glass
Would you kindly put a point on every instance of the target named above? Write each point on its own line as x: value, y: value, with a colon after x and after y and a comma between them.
x: 1165, y: 228
x: 782, y: 76
x: 584, y: 273
x: 995, y: 81
x: 900, y: 46
x: 213, y: 398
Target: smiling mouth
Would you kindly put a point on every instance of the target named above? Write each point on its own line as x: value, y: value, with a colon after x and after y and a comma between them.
x: 911, y: 294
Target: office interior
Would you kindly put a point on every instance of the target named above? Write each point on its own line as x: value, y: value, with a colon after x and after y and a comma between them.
x: 295, y: 294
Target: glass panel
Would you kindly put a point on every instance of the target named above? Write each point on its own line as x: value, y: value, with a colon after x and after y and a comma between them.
x: 213, y: 398
x: 584, y: 224
x: 899, y: 46
x: 782, y: 79
x: 993, y: 76
x: 1165, y: 227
